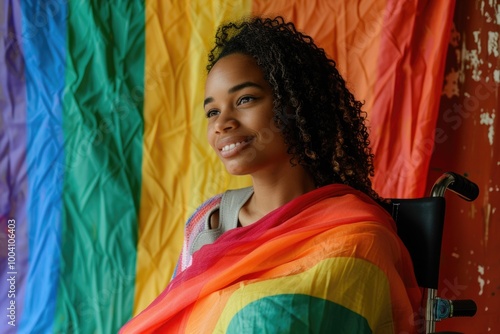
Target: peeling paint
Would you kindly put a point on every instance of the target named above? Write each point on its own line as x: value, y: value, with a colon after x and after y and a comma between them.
x: 475, y: 62
x: 480, y: 280
x: 471, y: 60
x: 496, y: 76
x: 488, y: 119
x: 492, y: 43
x: 480, y: 269
x: 497, y: 12
x: 474, y: 65
x: 477, y: 40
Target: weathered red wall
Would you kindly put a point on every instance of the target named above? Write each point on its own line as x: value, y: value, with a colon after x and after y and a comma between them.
x: 466, y: 142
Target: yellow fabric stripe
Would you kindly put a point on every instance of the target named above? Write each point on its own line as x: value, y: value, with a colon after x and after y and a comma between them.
x: 179, y: 35
x: 363, y: 297
x: 208, y: 176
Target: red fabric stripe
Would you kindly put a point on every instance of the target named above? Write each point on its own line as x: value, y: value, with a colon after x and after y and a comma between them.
x: 407, y: 93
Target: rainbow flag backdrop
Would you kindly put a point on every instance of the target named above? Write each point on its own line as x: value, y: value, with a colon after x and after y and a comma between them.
x: 102, y: 136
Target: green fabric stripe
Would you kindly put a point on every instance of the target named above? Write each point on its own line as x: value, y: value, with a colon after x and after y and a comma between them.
x: 103, y: 129
x: 296, y: 314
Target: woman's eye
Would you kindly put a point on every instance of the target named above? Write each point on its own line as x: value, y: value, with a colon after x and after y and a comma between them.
x: 212, y: 113
x: 245, y: 99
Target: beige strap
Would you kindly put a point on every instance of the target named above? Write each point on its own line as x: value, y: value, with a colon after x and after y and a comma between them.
x: 231, y: 203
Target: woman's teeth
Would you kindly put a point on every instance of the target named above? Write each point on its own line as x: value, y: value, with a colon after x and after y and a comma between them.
x: 231, y: 146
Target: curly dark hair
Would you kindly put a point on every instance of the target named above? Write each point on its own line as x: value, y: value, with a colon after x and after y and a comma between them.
x: 321, y: 121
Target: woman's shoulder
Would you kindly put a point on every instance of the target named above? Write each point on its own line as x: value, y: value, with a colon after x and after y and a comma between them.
x: 204, y: 210
x: 227, y: 198
x: 195, y: 224
x: 198, y: 223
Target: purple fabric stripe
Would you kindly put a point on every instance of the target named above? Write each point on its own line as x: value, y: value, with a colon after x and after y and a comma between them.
x: 13, y: 173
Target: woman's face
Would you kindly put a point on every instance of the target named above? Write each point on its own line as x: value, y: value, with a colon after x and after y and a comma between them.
x: 239, y: 107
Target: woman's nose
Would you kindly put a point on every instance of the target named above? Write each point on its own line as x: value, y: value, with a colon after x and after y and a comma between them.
x: 225, y: 122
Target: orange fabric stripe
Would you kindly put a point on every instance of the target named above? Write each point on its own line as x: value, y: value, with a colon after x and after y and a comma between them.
x: 348, y: 31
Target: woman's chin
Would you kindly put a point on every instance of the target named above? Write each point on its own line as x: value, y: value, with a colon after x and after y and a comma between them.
x: 236, y: 169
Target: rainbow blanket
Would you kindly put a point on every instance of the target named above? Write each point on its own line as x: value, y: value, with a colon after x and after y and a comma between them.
x: 328, y: 261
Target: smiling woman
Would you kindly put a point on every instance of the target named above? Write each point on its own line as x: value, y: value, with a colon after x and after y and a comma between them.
x: 240, y: 118
x: 308, y: 243
x: 242, y: 131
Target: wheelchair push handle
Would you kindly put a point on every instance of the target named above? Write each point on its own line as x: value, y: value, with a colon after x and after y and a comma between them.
x: 457, y: 183
x: 447, y: 308
x: 464, y: 308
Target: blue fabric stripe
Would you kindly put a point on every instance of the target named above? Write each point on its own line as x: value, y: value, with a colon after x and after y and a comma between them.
x: 44, y: 43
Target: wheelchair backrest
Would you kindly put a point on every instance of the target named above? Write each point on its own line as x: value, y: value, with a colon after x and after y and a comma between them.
x: 420, y: 226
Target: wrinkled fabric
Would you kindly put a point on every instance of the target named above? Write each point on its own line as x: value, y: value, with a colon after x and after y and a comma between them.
x: 328, y: 260
x: 103, y: 152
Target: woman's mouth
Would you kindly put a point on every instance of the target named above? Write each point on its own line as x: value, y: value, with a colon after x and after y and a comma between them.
x: 231, y: 146
x: 231, y: 149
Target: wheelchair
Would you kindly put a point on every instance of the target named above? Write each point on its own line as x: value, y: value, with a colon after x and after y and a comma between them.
x: 420, y: 226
